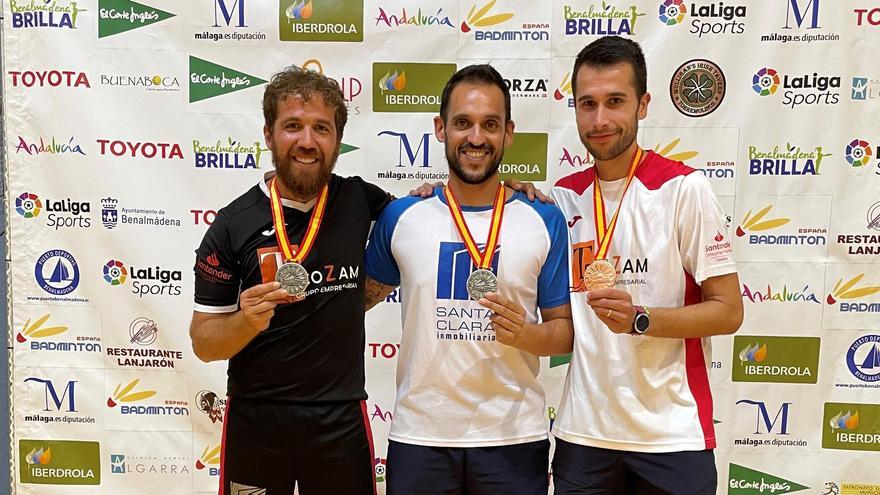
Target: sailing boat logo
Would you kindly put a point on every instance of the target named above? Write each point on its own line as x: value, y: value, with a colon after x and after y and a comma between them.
x: 863, y: 358
x: 57, y: 272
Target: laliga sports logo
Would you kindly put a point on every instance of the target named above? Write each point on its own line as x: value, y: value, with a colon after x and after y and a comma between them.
x: 29, y: 205
x: 210, y: 456
x: 858, y: 154
x: 126, y: 394
x: 115, y: 272
x: 393, y: 82
x: 754, y: 224
x: 846, y: 291
x: 848, y: 421
x: 379, y: 466
x: 299, y: 10
x: 672, y: 12
x: 678, y: 156
x: 751, y: 354
x: 479, y: 18
x: 564, y: 87
x: 39, y: 457
x: 765, y: 81
x: 35, y: 331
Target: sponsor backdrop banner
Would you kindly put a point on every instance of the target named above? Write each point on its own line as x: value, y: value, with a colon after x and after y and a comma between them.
x: 129, y: 124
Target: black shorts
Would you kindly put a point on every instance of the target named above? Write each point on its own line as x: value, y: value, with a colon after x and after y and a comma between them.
x: 519, y: 469
x: 268, y: 447
x: 582, y: 470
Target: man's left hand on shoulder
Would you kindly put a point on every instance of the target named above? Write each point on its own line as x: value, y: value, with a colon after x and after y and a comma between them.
x: 614, y: 308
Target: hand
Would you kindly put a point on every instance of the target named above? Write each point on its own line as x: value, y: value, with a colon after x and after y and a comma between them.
x: 508, y: 319
x: 614, y: 308
x: 529, y: 189
x: 258, y: 304
x: 425, y: 190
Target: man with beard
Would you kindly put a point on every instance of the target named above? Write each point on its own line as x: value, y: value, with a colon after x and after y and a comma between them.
x: 279, y: 292
x: 655, y: 277
x: 475, y: 263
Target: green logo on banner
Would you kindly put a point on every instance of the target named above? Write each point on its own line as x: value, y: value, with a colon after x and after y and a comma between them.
x: 851, y: 426
x: 775, y: 359
x: 207, y: 80
x: 321, y: 20
x: 403, y: 87
x: 526, y: 159
x: 59, y: 462
x: 119, y: 16
x: 560, y: 360
x: 745, y: 481
x: 345, y: 148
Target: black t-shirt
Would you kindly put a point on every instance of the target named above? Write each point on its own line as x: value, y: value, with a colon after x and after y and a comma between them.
x: 313, y: 349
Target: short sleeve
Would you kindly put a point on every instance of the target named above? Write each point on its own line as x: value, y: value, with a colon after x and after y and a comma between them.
x: 553, y: 283
x: 380, y: 262
x: 704, y: 240
x: 217, y: 278
x: 377, y: 198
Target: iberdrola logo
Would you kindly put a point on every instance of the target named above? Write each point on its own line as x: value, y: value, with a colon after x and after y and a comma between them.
x: 669, y: 152
x: 39, y: 457
x: 126, y: 394
x: 564, y: 88
x: 848, y: 421
x: 849, y: 291
x: 119, y: 16
x: 299, y: 10
x: 36, y: 330
x: 751, y: 354
x: 393, y: 81
x: 481, y: 19
x: 210, y: 457
x: 207, y: 80
x: 755, y: 223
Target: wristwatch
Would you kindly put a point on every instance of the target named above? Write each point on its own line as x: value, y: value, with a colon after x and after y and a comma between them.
x: 642, y: 320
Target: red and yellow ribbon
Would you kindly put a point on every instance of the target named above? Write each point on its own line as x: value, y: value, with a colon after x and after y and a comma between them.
x: 604, y: 229
x: 312, y: 228
x: 481, y: 259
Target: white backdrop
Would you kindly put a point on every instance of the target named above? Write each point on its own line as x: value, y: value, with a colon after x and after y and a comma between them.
x: 128, y: 125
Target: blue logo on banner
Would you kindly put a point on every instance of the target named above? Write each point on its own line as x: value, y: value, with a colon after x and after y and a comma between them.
x: 453, y: 268
x: 57, y: 272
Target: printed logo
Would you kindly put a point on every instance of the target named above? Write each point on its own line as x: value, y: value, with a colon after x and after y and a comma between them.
x: 328, y: 278
x: 125, y: 394
x: 149, y: 281
x: 809, y: 89
x: 409, y: 87
x: 137, y: 149
x: 50, y: 146
x: 207, y: 80
x: 713, y: 169
x: 385, y: 350
x: 849, y: 426
x: 769, y: 432
x: 209, y: 459
x: 866, y: 16
x: 565, y: 89
x: 864, y: 243
x: 863, y: 359
x: 144, y: 332
x: 848, y: 291
x: 782, y: 296
x: 154, y: 82
x: 59, y: 462
x: 864, y: 89
x: 305, y: 20
x: 44, y: 15
x: 351, y: 87
x: 35, y: 333
x: 465, y: 320
x: 418, y: 20
x: 707, y: 19
x: 239, y: 489
x: 119, y: 16
x: 64, y: 213
x: 841, y: 488
x: 144, y: 217
x: 574, y: 160
x: 600, y: 19
x: 379, y: 465
x: 672, y: 12
x: 747, y: 481
x: 776, y: 359
x: 417, y: 157
x: 858, y: 153
x: 480, y: 18
x: 756, y: 223
x: 630, y: 271
x: 51, y: 78
x: 527, y: 88
x: 526, y: 158
x: 57, y: 272
x: 159, y: 465
x: 765, y: 81
x: 227, y: 153
x: 212, y: 405
x: 115, y: 272
x: 28, y: 205
x: 697, y: 87
x: 126, y: 397
x: 229, y: 24
x: 54, y: 405
x: 109, y: 214
x: 785, y: 160
x: 802, y: 24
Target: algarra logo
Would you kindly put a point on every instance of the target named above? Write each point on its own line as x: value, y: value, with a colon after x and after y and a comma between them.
x: 526, y: 158
x: 119, y: 16
x: 480, y: 18
x: 848, y: 291
x: 747, y: 481
x: 776, y: 359
x: 126, y: 394
x: 59, y: 462
x: 309, y: 20
x: 849, y: 426
x: 207, y: 80
x: 409, y: 87
x: 36, y: 330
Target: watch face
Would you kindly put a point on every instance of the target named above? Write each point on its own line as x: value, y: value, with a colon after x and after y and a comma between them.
x: 642, y: 322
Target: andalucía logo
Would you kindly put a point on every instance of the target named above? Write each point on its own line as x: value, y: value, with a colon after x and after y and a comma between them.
x: 600, y: 19
x: 697, y: 87
x: 775, y: 359
x: 574, y: 160
x: 809, y: 89
x: 210, y: 458
x: 207, y: 80
x: 759, y: 295
x: 44, y: 14
x: 863, y: 358
x: 848, y: 426
x: 409, y: 87
x: 478, y: 19
x: 49, y: 146
x: 746, y: 481
x: 526, y: 159
x: 848, y: 291
x: 756, y: 223
x: 707, y: 19
x: 119, y: 16
x: 149, y: 281
x: 314, y: 20
x: 227, y: 153
x: 418, y: 20
x: 57, y: 272
x: 59, y: 462
x: 785, y: 160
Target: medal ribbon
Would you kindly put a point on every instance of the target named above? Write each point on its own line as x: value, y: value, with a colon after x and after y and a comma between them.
x: 312, y: 228
x: 482, y: 260
x: 604, y: 231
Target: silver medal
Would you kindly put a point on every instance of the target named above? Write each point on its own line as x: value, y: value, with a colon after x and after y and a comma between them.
x: 481, y: 281
x: 293, y: 278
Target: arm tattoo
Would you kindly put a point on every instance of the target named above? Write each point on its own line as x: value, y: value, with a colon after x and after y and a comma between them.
x: 374, y: 293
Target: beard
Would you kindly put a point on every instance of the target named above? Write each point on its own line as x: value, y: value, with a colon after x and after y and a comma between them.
x: 616, y: 149
x: 303, y: 185
x: 476, y: 177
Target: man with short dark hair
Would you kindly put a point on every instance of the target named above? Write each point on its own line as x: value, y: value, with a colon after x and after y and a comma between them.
x: 475, y: 263
x: 655, y: 277
x: 279, y: 292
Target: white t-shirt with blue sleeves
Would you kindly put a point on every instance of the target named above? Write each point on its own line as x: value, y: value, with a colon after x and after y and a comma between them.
x: 457, y: 386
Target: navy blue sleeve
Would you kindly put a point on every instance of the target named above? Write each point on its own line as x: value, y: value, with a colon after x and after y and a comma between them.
x: 553, y: 281
x: 380, y: 262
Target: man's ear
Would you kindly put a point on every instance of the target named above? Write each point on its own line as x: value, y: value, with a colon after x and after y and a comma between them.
x: 267, y: 136
x: 643, y: 105
x: 439, y: 129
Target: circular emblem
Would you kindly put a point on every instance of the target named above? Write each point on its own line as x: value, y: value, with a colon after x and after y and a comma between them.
x: 874, y: 216
x: 765, y: 81
x: 481, y: 281
x: 863, y: 358
x: 293, y: 278
x: 115, y: 272
x: 858, y: 153
x: 28, y: 205
x: 143, y: 331
x: 672, y: 12
x: 380, y: 469
x: 697, y: 87
x: 57, y: 272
